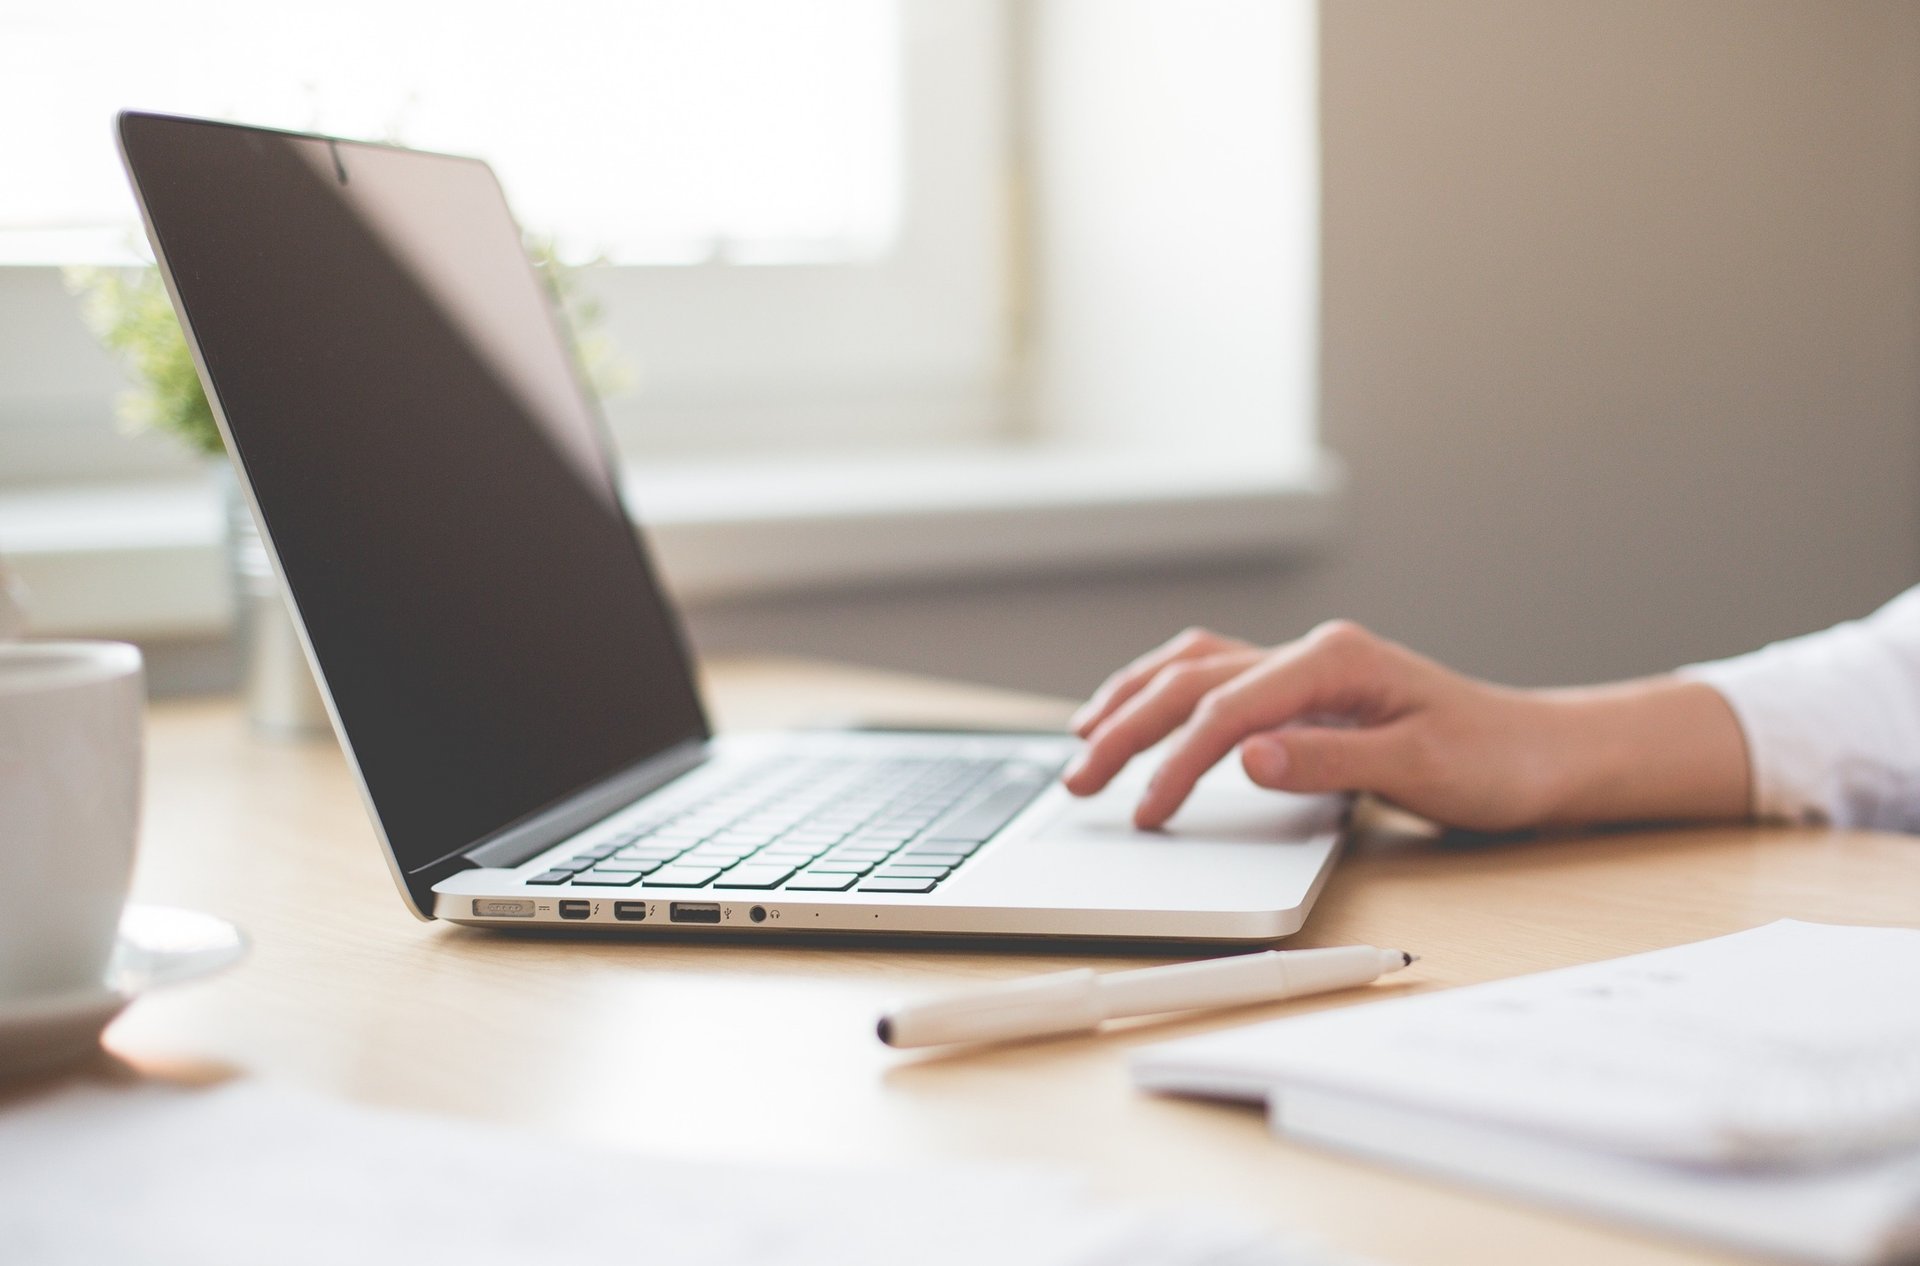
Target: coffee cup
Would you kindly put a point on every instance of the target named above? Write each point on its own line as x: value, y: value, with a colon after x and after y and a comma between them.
x: 70, y: 766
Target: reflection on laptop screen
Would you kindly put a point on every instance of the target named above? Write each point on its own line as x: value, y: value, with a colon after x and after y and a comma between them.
x: 429, y: 469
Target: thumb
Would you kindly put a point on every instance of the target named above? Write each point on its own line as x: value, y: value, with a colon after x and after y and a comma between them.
x: 1311, y: 758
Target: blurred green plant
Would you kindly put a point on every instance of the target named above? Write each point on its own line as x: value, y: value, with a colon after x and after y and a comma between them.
x: 607, y: 372
x: 129, y: 312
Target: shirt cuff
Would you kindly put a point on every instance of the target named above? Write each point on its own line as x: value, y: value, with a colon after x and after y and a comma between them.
x: 1787, y: 779
x: 1832, y: 720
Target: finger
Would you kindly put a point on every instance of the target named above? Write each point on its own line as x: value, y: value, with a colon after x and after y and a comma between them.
x: 1285, y: 685
x: 1311, y: 759
x: 1150, y: 716
x: 1129, y: 681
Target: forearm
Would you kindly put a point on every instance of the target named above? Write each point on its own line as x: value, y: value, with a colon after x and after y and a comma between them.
x: 1661, y: 749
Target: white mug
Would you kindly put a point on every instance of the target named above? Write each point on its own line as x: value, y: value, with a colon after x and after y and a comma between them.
x: 70, y: 758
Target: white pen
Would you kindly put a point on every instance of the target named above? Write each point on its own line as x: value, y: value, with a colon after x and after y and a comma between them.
x: 1075, y: 1001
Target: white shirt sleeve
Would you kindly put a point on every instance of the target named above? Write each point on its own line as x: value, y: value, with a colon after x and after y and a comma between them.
x: 1832, y: 720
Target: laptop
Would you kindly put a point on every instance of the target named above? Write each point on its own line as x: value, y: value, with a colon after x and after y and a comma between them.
x: 508, y: 678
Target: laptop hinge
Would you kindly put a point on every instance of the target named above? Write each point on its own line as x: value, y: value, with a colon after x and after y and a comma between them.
x: 433, y: 874
x: 533, y: 836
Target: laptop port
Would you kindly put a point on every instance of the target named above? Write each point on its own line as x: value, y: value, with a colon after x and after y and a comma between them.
x: 630, y: 911
x: 575, y: 909
x: 694, y: 912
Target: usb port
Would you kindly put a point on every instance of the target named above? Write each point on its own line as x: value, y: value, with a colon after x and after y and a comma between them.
x: 575, y: 909
x: 694, y: 912
x: 630, y: 911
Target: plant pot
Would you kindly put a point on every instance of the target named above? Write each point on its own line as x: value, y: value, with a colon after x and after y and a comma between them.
x: 13, y: 606
x: 282, y: 699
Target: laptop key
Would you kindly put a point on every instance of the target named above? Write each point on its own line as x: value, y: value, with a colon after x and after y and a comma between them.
x: 877, y: 884
x: 715, y: 865
x: 883, y: 835
x: 607, y: 879
x: 631, y: 865
x: 965, y: 848
x: 913, y: 872
x: 754, y: 877
x: 936, y: 857
x: 717, y: 850
x: 821, y: 881
x: 810, y: 837
x: 553, y: 877
x: 651, y: 852
x: 841, y: 866
x: 797, y: 852
x: 682, y: 876
x: 746, y: 839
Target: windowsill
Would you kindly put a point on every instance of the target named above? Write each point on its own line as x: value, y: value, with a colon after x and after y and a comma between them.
x: 145, y: 560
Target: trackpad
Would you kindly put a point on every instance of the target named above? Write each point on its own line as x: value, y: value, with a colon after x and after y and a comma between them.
x: 1226, y: 805
x: 1233, y: 846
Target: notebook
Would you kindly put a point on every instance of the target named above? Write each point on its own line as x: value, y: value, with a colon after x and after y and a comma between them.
x: 1759, y: 1090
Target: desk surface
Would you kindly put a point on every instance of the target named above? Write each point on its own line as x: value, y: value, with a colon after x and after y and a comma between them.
x: 768, y: 1052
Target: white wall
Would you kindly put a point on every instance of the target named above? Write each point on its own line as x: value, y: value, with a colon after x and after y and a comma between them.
x: 1621, y: 345
x: 1170, y: 142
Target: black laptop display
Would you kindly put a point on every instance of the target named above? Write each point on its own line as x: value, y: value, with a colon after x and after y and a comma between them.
x: 395, y: 384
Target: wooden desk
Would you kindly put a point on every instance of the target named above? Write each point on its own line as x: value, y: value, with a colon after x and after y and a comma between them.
x: 748, y: 1051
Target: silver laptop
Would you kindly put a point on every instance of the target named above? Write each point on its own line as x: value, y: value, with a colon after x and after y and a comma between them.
x: 508, y: 679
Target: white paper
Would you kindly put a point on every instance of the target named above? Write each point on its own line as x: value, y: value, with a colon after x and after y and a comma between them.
x: 1760, y: 1090
x: 1851, y: 1214
x: 1790, y: 1044
x: 247, y: 1175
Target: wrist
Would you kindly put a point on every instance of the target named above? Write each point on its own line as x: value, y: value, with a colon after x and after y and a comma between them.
x: 1658, y: 749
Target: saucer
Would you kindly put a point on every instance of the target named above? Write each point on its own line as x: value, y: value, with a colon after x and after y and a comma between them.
x: 158, y: 946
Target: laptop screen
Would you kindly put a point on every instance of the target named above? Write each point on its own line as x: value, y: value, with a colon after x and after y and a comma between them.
x: 431, y: 473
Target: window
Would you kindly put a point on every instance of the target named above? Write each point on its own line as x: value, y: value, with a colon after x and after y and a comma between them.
x: 801, y: 202
x: 663, y: 131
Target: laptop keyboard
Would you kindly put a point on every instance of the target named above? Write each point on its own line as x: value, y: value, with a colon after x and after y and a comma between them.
x: 899, y: 825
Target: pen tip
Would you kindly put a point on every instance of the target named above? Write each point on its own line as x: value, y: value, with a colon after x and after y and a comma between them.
x: 885, y: 1030
x: 1408, y: 960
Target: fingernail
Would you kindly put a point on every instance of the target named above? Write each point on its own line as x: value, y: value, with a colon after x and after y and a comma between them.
x: 1270, y: 754
x: 1142, y: 812
x: 1075, y: 767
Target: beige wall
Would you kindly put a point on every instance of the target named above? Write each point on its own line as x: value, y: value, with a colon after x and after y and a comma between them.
x: 1621, y: 346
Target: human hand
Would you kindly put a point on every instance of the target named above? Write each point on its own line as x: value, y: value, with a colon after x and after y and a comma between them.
x: 1343, y: 709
